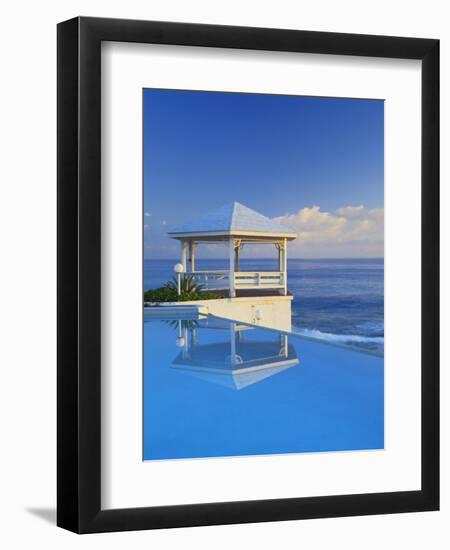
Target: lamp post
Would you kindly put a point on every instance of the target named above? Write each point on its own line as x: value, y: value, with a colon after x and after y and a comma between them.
x: 178, y: 268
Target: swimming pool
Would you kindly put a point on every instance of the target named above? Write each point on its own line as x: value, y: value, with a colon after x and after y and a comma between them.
x: 217, y: 388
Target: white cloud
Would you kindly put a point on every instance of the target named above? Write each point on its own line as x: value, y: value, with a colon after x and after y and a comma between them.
x: 147, y: 214
x: 351, y: 212
x: 350, y: 231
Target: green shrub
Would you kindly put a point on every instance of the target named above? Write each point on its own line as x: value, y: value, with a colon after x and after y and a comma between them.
x: 169, y: 294
x: 162, y: 294
x: 190, y: 290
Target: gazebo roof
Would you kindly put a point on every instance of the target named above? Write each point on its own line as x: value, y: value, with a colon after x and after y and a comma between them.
x: 233, y: 219
x: 257, y: 361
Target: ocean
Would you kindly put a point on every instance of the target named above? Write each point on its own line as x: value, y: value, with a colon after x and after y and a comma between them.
x: 340, y: 301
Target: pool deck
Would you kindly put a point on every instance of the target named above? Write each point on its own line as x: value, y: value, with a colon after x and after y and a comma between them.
x: 254, y: 307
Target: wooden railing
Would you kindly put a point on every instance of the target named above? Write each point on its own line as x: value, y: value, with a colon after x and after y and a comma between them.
x: 258, y: 279
x: 220, y: 279
x: 212, y: 280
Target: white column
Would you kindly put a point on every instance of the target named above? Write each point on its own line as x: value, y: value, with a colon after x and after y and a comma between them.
x: 184, y: 254
x: 236, y: 258
x: 285, y: 266
x: 231, y: 267
x: 284, y: 351
x: 233, y: 343
x: 186, y: 340
x: 280, y: 257
x: 192, y: 255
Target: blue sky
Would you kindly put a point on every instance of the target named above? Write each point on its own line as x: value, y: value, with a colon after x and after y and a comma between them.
x: 315, y: 163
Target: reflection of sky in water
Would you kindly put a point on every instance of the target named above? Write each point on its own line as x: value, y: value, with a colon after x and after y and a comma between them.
x: 214, y: 388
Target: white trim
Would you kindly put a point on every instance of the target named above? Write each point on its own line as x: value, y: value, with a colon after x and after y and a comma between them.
x: 234, y: 233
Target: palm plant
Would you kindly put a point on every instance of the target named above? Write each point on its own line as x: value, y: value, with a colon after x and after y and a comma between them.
x: 188, y: 285
x: 189, y: 324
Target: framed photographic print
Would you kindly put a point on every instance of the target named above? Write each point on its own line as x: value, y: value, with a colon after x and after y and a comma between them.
x: 248, y: 256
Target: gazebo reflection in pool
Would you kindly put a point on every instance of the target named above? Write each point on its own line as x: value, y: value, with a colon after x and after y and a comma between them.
x: 235, y: 360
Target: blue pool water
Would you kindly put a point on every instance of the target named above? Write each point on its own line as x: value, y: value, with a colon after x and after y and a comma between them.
x: 216, y: 388
x: 340, y: 301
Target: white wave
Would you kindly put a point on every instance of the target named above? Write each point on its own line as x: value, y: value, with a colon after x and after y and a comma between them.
x: 339, y: 338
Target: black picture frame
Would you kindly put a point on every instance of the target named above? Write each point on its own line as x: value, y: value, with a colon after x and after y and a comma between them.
x: 79, y: 279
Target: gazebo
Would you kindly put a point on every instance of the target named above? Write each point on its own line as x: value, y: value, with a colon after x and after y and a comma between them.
x: 235, y: 225
x: 232, y: 360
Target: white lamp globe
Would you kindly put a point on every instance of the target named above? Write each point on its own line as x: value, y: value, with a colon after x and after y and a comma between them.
x: 178, y: 268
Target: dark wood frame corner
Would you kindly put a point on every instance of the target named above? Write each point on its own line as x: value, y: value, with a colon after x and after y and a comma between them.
x: 79, y: 280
